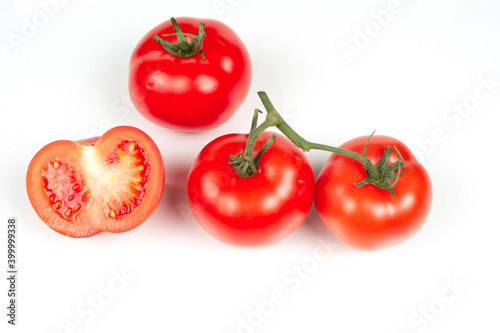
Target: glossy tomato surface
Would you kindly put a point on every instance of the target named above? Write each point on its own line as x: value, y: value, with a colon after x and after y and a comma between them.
x: 190, y: 93
x: 112, y: 183
x: 368, y: 217
x: 254, y: 211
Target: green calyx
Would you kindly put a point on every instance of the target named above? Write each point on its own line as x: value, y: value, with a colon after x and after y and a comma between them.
x: 387, y: 175
x: 382, y: 175
x: 182, y: 48
x: 245, y: 164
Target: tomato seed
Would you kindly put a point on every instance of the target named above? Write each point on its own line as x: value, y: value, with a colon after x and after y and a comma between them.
x: 86, y: 196
x: 68, y: 213
x: 135, y: 192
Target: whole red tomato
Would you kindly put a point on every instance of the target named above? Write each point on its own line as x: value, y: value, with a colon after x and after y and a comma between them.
x: 190, y: 93
x: 368, y: 217
x: 253, y: 211
x: 112, y: 183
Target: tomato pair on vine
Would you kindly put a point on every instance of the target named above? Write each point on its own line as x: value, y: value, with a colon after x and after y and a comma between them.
x: 371, y: 194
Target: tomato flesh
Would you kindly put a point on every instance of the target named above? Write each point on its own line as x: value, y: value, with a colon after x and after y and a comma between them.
x: 125, y: 176
x: 65, y: 187
x: 112, y: 183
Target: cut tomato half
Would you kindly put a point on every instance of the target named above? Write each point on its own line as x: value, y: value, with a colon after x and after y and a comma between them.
x: 112, y: 183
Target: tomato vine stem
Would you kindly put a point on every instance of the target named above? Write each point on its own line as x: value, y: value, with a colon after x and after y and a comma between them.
x: 307, y: 145
x: 381, y: 175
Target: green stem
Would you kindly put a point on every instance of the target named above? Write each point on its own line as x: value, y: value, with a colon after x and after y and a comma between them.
x: 307, y: 145
x: 252, y: 137
x: 382, y: 175
x: 245, y: 163
x: 182, y: 48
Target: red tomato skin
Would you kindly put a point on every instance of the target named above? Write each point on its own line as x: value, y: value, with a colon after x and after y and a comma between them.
x: 190, y: 94
x: 369, y: 218
x: 255, y: 211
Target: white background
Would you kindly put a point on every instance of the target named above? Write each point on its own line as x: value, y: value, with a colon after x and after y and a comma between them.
x: 68, y: 80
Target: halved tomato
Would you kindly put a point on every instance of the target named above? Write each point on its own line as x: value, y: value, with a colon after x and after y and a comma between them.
x: 112, y: 183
